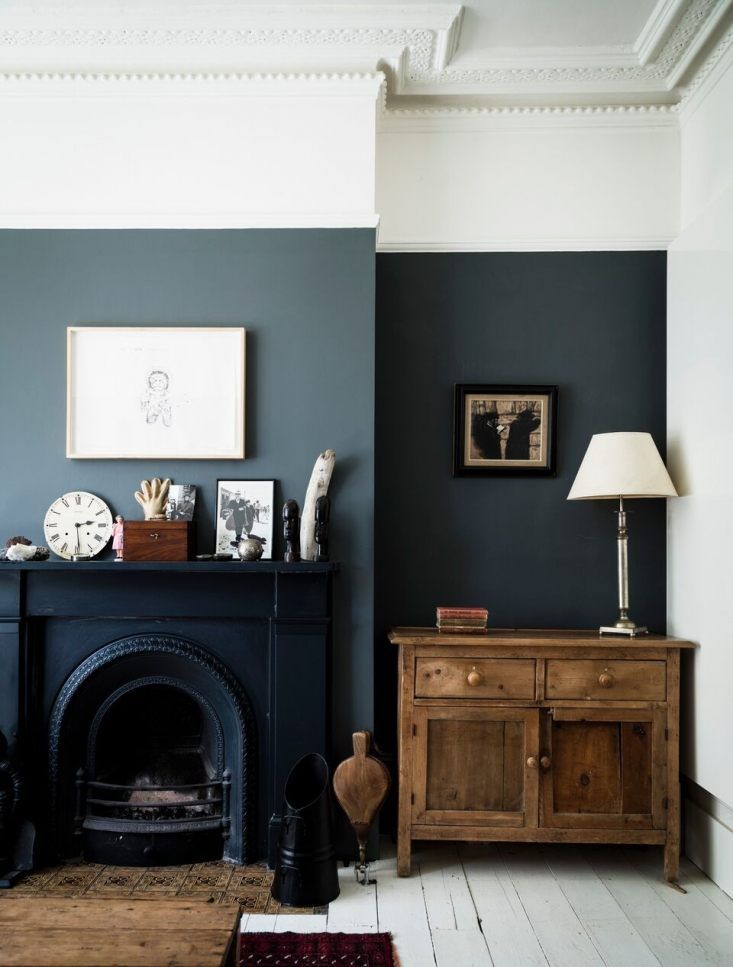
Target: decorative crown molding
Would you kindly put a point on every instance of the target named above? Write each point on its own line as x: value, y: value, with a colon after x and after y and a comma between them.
x: 416, y: 47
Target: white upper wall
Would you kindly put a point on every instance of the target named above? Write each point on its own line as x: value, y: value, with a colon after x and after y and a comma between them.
x: 700, y: 430
x: 534, y: 183
x: 197, y: 152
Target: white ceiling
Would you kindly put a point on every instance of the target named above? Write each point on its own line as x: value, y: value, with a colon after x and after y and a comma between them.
x: 491, y: 52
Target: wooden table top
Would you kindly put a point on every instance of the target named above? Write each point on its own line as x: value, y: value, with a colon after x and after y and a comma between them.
x: 534, y: 638
x: 49, y: 932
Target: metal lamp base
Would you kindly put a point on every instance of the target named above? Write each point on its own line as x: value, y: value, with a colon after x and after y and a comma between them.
x: 631, y: 632
x: 624, y: 625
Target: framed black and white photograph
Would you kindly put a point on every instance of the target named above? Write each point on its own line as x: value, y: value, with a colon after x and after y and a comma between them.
x: 504, y: 430
x: 181, y: 502
x: 161, y: 392
x: 244, y: 508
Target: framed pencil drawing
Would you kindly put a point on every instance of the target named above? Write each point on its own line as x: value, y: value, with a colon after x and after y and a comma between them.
x: 504, y: 430
x: 155, y: 392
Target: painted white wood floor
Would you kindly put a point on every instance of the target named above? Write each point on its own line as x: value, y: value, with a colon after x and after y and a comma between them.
x: 531, y: 906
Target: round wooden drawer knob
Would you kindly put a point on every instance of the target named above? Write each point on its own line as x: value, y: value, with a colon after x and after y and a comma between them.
x: 545, y: 761
x: 606, y: 680
x: 532, y: 762
x: 474, y: 677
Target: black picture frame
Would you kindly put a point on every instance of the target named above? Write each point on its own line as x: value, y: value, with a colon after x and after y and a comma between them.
x: 483, y: 453
x: 260, y: 524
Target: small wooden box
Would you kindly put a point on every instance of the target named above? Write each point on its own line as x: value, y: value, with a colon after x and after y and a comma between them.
x: 158, y: 540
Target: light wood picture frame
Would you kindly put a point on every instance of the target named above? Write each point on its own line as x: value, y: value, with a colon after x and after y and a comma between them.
x: 155, y: 392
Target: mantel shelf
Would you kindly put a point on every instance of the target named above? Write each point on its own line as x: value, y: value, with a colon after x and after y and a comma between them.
x: 226, y: 567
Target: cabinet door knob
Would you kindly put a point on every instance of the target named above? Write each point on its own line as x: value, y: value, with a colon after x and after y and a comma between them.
x: 606, y: 679
x: 545, y: 761
x: 532, y: 762
x: 474, y: 677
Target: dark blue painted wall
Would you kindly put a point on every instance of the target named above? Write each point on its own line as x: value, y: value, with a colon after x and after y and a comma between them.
x: 306, y: 298
x: 592, y: 323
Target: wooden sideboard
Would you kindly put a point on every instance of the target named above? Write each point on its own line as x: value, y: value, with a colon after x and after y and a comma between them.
x: 538, y: 736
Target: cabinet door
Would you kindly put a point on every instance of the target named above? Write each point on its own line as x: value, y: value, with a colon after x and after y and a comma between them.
x: 603, y: 768
x: 471, y: 766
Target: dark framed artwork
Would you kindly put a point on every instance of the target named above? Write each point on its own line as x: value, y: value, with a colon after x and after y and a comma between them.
x: 509, y: 430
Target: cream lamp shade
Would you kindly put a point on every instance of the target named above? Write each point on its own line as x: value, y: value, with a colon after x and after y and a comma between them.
x: 621, y: 465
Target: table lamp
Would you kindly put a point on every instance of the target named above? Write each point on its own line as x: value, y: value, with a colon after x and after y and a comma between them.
x: 617, y: 466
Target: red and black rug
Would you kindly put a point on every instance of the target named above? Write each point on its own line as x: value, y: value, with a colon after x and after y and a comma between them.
x: 316, y: 950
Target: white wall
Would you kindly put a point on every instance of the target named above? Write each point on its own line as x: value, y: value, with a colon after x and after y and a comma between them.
x: 194, y: 151
x: 529, y: 183
x: 700, y: 440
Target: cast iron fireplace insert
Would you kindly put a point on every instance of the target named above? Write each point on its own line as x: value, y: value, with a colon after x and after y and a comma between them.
x: 156, y: 789
x: 152, y: 737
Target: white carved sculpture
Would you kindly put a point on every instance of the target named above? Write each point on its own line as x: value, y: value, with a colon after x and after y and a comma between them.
x: 154, y: 497
x: 317, y: 487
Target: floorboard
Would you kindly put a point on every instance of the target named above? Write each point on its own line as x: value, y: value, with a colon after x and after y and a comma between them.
x: 665, y: 935
x: 615, y: 938
x: 503, y: 920
x: 524, y: 905
x: 559, y: 932
x: 710, y: 927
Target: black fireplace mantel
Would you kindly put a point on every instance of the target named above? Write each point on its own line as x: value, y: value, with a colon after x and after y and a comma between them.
x: 268, y: 622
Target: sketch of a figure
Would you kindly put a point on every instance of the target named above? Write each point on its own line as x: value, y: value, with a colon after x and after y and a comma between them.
x: 155, y: 402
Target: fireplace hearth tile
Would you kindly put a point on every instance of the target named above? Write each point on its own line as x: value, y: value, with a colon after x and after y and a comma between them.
x: 163, y: 879
x: 116, y: 881
x: 249, y: 886
x: 209, y: 880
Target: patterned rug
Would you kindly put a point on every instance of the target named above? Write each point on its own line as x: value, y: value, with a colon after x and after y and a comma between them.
x: 316, y: 950
x: 220, y: 882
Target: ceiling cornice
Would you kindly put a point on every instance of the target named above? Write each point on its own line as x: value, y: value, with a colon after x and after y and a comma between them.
x: 415, y: 46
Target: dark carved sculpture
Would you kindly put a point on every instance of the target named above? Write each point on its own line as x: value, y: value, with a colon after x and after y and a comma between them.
x: 291, y: 529
x: 323, y: 514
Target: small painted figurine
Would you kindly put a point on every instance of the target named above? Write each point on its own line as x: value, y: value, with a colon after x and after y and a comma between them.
x: 118, y: 536
x: 323, y: 513
x: 291, y: 519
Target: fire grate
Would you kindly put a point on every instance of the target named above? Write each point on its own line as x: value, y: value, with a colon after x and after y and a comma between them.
x: 152, y: 808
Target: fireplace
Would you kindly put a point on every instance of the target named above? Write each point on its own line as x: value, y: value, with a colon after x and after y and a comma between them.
x: 162, y: 705
x: 149, y: 743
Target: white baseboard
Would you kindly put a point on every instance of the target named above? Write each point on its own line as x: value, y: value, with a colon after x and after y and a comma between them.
x: 709, y: 835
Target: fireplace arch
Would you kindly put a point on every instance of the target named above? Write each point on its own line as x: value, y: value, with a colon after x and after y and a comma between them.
x: 103, y: 712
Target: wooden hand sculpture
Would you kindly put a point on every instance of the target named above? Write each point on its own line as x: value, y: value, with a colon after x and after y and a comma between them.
x: 154, y: 497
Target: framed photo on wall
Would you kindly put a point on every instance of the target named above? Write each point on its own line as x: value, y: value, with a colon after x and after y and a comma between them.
x: 143, y: 392
x: 508, y: 430
x: 244, y: 508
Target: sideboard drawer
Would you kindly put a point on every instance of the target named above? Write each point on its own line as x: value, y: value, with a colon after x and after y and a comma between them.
x: 475, y: 678
x: 602, y: 679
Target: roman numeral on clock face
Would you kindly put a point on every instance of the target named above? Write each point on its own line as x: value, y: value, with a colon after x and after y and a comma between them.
x: 64, y: 501
x: 64, y: 547
x: 97, y: 537
x: 54, y: 537
x: 77, y: 499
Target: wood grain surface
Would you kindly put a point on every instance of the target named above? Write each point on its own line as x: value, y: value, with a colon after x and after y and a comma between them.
x: 40, y: 932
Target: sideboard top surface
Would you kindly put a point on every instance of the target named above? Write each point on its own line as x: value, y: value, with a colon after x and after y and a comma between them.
x: 534, y: 637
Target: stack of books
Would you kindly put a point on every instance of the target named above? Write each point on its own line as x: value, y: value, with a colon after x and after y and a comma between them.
x: 463, y: 621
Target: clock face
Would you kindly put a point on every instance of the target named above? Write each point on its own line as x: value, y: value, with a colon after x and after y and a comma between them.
x: 78, y: 523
